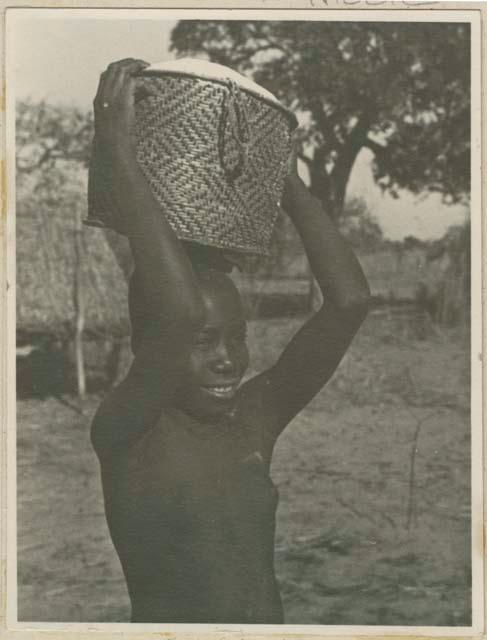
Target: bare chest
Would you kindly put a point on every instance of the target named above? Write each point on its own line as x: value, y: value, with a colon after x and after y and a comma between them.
x: 211, y: 474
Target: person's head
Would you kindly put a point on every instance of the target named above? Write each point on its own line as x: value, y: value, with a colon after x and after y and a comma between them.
x: 218, y: 356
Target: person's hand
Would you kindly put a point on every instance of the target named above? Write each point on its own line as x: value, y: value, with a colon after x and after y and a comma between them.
x: 114, y: 106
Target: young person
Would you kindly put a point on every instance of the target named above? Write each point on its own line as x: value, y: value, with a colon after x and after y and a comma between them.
x: 184, y: 448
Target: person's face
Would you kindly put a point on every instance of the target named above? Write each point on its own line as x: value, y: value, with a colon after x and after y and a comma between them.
x: 218, y: 357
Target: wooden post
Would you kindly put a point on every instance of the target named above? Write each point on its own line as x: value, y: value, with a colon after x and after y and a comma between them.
x: 79, y: 311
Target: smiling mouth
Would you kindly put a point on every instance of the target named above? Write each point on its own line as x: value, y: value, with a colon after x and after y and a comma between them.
x: 225, y: 391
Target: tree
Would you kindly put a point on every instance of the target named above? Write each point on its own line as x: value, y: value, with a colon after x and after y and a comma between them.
x: 47, y: 133
x: 360, y: 227
x: 398, y: 89
x: 449, y: 300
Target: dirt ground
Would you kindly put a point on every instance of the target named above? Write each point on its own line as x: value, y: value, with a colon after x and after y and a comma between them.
x: 374, y: 515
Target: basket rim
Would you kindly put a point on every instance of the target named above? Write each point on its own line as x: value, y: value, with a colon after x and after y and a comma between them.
x: 97, y: 223
x: 273, y: 102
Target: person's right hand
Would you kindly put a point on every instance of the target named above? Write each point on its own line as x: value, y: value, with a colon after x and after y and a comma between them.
x: 114, y: 106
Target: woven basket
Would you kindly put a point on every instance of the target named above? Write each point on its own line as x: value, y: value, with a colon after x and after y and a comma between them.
x: 213, y: 147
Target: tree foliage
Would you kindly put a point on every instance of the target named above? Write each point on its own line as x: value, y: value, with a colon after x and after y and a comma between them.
x: 360, y: 227
x: 46, y: 133
x: 398, y: 89
x: 53, y: 146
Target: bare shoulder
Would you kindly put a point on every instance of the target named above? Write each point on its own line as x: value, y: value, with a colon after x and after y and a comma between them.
x: 273, y: 398
x: 134, y: 406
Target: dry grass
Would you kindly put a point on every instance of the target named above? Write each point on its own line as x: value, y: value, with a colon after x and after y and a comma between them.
x: 354, y: 545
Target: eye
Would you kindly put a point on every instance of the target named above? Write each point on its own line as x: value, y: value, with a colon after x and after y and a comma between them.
x: 239, y: 335
x: 205, y: 339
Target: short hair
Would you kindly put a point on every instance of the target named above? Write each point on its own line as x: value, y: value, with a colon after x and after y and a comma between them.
x: 204, y: 260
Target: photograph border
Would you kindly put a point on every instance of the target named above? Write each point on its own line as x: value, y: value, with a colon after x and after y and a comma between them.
x: 476, y: 14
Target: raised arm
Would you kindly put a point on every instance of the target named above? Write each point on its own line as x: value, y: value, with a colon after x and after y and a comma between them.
x: 313, y: 354
x: 167, y: 287
x: 164, y: 271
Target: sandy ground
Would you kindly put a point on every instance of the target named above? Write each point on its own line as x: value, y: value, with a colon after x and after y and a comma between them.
x: 366, y: 535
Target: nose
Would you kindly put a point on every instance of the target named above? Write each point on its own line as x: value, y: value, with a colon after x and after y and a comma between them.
x: 223, y: 362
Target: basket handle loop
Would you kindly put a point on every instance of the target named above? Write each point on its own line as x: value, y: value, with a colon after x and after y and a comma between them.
x: 234, y: 122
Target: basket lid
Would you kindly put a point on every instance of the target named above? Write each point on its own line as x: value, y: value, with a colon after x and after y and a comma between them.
x: 215, y: 72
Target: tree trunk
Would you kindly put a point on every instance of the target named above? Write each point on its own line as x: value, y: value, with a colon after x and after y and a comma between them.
x: 341, y: 175
x: 79, y: 311
x: 314, y: 298
x: 113, y: 361
x: 320, y: 187
x: 320, y: 183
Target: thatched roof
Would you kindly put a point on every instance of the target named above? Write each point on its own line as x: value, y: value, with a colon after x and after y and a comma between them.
x: 49, y: 202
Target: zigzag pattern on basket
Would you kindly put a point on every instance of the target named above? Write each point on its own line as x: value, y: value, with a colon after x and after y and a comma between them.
x: 215, y: 158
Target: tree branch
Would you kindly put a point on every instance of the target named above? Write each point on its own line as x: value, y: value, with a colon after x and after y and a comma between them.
x: 346, y: 157
x: 324, y: 123
x: 250, y: 53
x: 48, y: 154
x: 51, y: 154
x: 377, y: 148
x: 307, y: 161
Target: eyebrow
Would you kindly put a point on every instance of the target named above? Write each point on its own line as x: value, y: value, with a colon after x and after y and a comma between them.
x: 237, y: 325
x: 209, y: 328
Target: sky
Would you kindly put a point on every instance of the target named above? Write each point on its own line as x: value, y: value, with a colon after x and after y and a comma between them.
x: 59, y: 59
